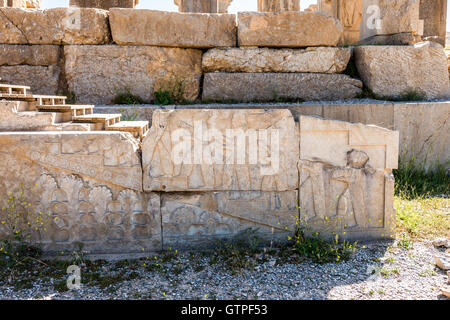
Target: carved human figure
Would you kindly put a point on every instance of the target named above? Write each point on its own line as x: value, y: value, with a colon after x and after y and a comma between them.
x: 278, y: 5
x: 354, y: 194
x: 349, y: 12
x: 312, y: 189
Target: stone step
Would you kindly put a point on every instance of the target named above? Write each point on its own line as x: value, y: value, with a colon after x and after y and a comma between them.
x: 137, y: 128
x: 106, y: 119
x: 45, y: 100
x: 10, y: 89
x: 76, y: 110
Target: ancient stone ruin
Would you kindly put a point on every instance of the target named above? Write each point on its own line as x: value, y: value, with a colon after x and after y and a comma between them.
x: 268, y: 141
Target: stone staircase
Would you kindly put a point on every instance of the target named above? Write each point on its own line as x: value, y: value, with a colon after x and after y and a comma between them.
x: 52, y: 113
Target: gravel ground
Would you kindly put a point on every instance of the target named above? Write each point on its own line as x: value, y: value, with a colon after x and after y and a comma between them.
x: 379, y: 271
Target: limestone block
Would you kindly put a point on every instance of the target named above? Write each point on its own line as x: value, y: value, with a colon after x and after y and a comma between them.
x: 380, y: 114
x: 203, y: 6
x: 196, y: 219
x: 103, y: 4
x: 316, y: 60
x: 172, y: 29
x: 287, y: 29
x: 278, y: 5
x: 398, y: 39
x: 245, y: 87
x: 434, y: 15
x: 396, y: 70
x: 424, y: 129
x: 41, y: 79
x: 337, y: 138
x: 353, y: 201
x: 384, y: 17
x: 38, y: 55
x: 349, y: 14
x: 54, y: 26
x: 97, y: 74
x: 220, y: 150
x: 14, y: 117
x: 90, y: 183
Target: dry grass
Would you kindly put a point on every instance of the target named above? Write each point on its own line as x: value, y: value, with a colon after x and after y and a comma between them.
x: 423, y: 218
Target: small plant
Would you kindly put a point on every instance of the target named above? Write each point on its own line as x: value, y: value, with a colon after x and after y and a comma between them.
x: 21, y: 223
x: 163, y: 98
x: 404, y: 242
x: 385, y: 272
x: 409, y: 95
x: 128, y: 117
x: 239, y: 253
x: 126, y: 97
x: 170, y: 90
x: 322, y: 251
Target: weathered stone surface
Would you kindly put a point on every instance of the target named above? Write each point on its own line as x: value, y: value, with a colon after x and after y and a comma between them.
x: 434, y: 15
x: 396, y: 70
x: 97, y: 74
x: 14, y: 117
x: 38, y: 55
x: 272, y: 86
x: 195, y: 150
x: 41, y: 79
x: 346, y: 186
x: 350, y: 201
x: 424, y: 129
x: 54, y: 26
x: 423, y: 126
x: 91, y: 185
x: 317, y: 60
x: 377, y: 113
x: 203, y: 6
x: 348, y: 12
x: 384, y: 17
x: 196, y: 219
x: 402, y: 39
x: 278, y: 5
x: 104, y: 4
x: 172, y: 29
x: 337, y: 138
x: 287, y: 29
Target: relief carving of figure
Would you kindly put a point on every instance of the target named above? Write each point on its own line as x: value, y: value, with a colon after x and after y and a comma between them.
x: 278, y: 5
x: 350, y: 12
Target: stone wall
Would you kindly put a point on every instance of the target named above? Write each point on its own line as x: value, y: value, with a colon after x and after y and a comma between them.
x: 103, y: 54
x: 104, y: 4
x: 434, y: 15
x: 364, y: 19
x: 98, y: 192
x: 422, y: 126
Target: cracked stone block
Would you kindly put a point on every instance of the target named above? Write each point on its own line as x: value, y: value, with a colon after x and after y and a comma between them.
x: 193, y: 220
x: 315, y: 60
x: 91, y: 185
x: 220, y: 150
x: 172, y: 29
x: 54, y: 26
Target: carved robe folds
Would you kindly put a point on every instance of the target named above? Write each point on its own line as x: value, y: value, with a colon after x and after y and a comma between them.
x: 278, y: 5
x: 349, y: 13
x: 346, y: 186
